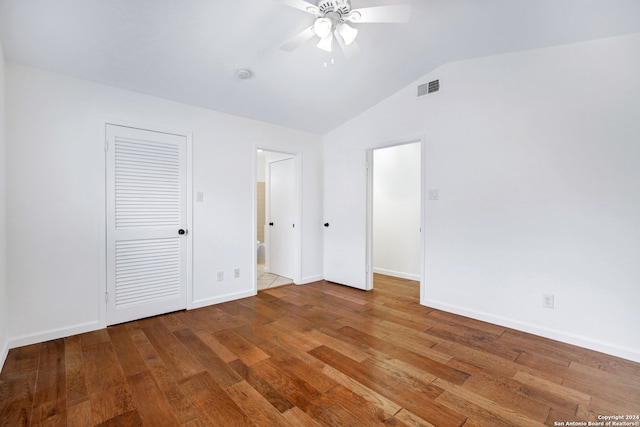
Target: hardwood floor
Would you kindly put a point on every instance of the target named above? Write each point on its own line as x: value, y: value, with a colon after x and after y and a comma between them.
x: 319, y: 354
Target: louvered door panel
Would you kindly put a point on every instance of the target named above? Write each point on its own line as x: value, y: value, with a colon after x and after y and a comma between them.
x: 146, y: 206
x: 147, y: 184
x: 147, y: 271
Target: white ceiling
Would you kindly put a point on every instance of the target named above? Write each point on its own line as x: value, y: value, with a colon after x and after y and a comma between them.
x: 189, y: 50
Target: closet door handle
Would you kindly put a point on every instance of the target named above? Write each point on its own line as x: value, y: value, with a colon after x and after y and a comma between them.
x: 271, y: 224
x: 181, y: 232
x: 326, y: 224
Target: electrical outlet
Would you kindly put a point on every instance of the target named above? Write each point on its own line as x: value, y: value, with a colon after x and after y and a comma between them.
x: 220, y: 276
x: 547, y: 300
x: 236, y: 273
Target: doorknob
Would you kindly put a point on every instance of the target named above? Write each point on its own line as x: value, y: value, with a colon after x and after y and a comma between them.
x: 271, y: 224
x: 181, y: 232
x: 326, y: 224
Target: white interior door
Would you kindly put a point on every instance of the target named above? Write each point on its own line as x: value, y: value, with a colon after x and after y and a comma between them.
x: 345, y: 239
x: 281, y: 217
x: 146, y: 223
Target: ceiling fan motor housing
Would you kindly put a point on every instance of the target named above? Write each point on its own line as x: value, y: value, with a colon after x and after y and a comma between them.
x: 340, y: 7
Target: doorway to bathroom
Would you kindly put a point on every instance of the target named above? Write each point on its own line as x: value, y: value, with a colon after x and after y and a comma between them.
x: 276, y: 218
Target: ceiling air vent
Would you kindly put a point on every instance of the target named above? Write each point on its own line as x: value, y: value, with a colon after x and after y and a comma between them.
x: 428, y: 88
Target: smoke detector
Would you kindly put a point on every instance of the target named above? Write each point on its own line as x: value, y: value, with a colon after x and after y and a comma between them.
x: 244, y: 74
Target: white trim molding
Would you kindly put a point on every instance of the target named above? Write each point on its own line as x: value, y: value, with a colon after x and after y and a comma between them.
x: 222, y: 298
x: 399, y: 274
x: 54, y: 334
x: 310, y: 279
x: 4, y: 352
x: 553, y: 334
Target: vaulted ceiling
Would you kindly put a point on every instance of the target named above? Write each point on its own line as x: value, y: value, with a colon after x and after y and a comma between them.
x: 189, y: 50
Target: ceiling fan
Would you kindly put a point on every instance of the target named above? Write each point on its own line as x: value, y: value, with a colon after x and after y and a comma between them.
x: 333, y: 19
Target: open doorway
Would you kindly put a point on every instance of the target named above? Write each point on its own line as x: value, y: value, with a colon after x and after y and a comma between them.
x: 395, y: 221
x: 348, y: 215
x: 275, y: 219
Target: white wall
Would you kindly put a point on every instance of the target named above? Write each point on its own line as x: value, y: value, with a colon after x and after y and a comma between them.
x: 56, y: 197
x: 4, y: 305
x: 396, y: 211
x: 535, y: 155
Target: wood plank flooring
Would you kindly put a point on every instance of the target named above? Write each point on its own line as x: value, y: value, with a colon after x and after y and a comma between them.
x: 314, y: 355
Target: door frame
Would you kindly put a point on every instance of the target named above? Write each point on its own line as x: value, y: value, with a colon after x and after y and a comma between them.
x: 369, y: 219
x: 102, y: 235
x: 297, y: 234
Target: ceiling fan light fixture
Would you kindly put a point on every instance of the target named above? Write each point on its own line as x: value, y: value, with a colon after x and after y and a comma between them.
x: 322, y: 27
x: 348, y: 33
x: 353, y: 16
x: 326, y: 42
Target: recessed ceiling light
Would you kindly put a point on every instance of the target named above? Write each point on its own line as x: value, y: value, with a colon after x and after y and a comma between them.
x: 244, y: 74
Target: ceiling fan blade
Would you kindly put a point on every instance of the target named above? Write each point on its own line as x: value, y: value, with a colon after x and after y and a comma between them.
x: 301, y: 5
x: 393, y: 14
x: 298, y: 40
x: 350, y: 50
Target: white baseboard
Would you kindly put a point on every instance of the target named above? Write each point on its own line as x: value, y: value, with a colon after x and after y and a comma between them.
x: 220, y: 299
x: 92, y: 326
x: 4, y: 352
x: 399, y: 274
x: 54, y: 334
x: 554, y: 334
x: 310, y: 279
